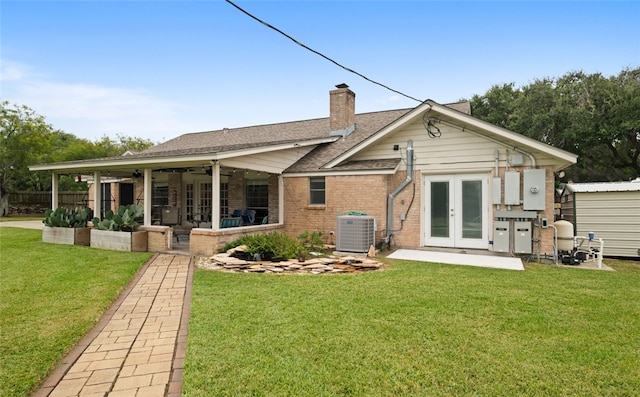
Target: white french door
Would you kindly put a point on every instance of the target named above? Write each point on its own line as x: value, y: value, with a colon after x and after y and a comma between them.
x: 456, y: 210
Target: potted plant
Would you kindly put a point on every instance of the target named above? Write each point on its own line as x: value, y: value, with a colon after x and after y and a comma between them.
x: 117, y: 230
x: 64, y: 226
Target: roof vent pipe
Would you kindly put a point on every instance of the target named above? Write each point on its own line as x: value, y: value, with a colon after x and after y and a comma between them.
x: 397, y: 190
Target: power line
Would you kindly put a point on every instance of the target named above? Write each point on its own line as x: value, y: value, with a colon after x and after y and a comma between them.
x: 319, y: 53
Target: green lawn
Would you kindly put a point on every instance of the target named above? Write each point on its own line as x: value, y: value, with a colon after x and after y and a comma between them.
x: 50, y: 296
x: 21, y: 218
x: 417, y: 330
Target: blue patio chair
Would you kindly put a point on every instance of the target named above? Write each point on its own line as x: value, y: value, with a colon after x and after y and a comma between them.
x: 248, y: 217
x: 229, y: 222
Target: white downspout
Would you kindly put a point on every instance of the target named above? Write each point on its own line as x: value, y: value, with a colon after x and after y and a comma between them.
x: 397, y: 190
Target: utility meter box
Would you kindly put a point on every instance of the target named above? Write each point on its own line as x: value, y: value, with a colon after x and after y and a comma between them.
x: 533, y: 189
x: 501, y: 236
x: 512, y: 188
x: 522, y: 237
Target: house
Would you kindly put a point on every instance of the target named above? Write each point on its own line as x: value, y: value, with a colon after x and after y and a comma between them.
x: 431, y: 176
x: 611, y: 210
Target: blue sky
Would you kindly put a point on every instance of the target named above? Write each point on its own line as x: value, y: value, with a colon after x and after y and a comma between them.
x: 158, y: 69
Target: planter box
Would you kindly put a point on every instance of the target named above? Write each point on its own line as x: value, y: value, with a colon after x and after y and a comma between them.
x: 66, y: 235
x: 119, y: 241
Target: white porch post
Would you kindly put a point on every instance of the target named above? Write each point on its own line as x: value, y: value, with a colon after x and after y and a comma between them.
x: 147, y: 179
x: 97, y: 195
x: 215, y: 192
x: 280, y: 199
x: 55, y: 183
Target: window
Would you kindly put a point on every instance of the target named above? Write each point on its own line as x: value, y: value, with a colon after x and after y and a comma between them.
x: 224, y: 199
x: 160, y: 194
x: 257, y: 194
x: 189, y: 200
x: 206, y: 198
x: 316, y: 190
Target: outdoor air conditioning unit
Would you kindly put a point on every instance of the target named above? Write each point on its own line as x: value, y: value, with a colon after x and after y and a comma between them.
x: 355, y: 233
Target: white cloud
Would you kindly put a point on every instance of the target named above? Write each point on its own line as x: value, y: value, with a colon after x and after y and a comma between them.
x: 90, y: 110
x: 10, y: 71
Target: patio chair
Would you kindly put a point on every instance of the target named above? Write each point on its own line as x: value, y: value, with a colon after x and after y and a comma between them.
x: 248, y: 217
x: 230, y: 222
x: 200, y: 217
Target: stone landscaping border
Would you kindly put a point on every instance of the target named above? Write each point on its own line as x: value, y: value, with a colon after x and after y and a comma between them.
x: 320, y: 265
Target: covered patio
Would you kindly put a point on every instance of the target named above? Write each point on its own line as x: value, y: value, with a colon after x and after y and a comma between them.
x: 212, y: 198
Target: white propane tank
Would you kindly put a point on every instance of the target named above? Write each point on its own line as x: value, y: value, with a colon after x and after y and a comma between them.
x: 565, y: 235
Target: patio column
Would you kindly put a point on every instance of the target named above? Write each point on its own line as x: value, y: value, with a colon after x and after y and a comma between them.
x: 55, y: 184
x: 215, y: 192
x: 280, y: 199
x: 147, y: 180
x: 97, y: 195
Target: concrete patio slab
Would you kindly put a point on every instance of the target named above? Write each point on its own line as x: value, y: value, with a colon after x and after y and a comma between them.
x: 495, y: 262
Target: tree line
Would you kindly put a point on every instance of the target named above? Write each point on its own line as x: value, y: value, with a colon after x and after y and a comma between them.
x: 28, y: 139
x: 593, y: 116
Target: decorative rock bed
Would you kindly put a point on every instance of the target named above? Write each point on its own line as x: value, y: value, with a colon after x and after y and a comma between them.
x: 230, y: 262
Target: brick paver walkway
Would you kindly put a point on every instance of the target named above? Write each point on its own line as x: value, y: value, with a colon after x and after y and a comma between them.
x: 138, y: 348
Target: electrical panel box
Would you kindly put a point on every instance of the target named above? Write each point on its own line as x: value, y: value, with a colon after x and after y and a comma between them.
x: 516, y: 159
x: 522, y: 237
x: 501, y: 236
x: 533, y: 189
x: 496, y: 192
x: 512, y: 188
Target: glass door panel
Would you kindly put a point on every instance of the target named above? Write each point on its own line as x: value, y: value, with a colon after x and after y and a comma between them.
x: 471, y: 209
x: 439, y: 209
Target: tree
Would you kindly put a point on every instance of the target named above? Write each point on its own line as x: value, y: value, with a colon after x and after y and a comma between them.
x: 595, y: 117
x: 27, y: 139
x: 25, y: 135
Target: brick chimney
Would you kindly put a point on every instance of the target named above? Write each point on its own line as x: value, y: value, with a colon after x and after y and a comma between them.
x: 342, y: 110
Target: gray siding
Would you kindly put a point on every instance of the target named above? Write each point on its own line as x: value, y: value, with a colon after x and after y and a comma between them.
x: 613, y: 217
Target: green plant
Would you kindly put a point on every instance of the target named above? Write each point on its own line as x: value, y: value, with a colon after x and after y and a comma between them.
x: 269, y: 246
x: 124, y: 220
x: 62, y: 217
x: 312, y: 241
x: 47, y: 304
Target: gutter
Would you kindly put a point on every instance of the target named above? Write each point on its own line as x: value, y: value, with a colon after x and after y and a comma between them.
x: 397, y: 190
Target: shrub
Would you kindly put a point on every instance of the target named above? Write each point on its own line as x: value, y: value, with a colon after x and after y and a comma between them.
x: 123, y: 220
x: 312, y: 241
x: 62, y: 217
x: 269, y: 246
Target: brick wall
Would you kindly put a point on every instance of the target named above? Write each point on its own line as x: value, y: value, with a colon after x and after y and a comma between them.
x: 274, y: 207
x: 206, y: 242
x: 366, y: 193
x: 406, y: 233
x: 138, y: 191
x: 158, y: 238
x: 236, y: 191
x: 342, y: 108
x: 174, y: 181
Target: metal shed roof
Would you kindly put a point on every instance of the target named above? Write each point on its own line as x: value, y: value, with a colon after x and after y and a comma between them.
x: 630, y: 186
